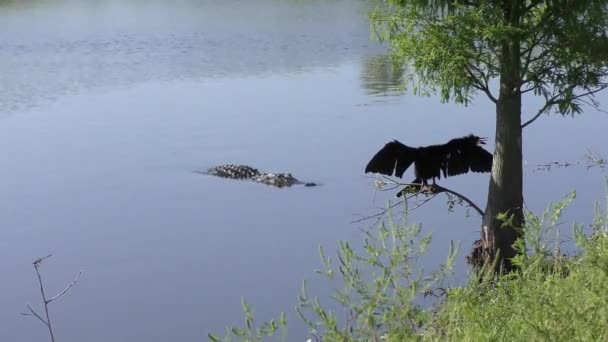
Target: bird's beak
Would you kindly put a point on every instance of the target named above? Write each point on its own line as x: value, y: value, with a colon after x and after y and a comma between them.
x: 482, y: 141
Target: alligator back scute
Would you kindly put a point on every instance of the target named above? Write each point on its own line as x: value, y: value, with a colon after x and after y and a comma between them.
x: 233, y: 171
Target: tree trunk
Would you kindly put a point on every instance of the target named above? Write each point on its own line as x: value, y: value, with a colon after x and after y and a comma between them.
x: 505, y: 195
x: 506, y: 185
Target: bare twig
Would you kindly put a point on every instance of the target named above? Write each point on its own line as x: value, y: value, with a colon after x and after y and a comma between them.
x: 40, y: 260
x: 34, y: 313
x: 540, y: 112
x: 378, y: 216
x: 384, y: 211
x: 431, y: 192
x: 46, y: 304
x: 66, y: 288
x: 423, y: 202
x: 46, y: 301
x: 594, y: 159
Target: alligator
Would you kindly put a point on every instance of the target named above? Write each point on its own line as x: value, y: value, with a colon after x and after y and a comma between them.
x: 246, y: 172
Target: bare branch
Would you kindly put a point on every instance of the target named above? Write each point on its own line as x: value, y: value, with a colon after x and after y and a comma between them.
x: 432, y: 192
x: 540, y: 112
x: 34, y: 313
x: 38, y: 261
x: 45, y: 301
x: 384, y: 211
x: 66, y: 288
x: 46, y: 306
x: 378, y: 216
x: 423, y: 202
x: 594, y: 159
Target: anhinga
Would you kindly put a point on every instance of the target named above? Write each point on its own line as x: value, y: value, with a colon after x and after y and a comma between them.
x: 455, y: 157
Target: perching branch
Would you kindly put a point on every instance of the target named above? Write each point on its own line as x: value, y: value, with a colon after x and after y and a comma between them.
x: 46, y: 301
x: 431, y: 191
x: 435, y: 189
x: 440, y: 189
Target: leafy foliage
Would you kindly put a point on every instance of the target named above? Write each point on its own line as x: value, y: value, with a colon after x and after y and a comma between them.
x: 549, y: 297
x: 458, y: 47
x: 250, y: 332
x: 380, y: 286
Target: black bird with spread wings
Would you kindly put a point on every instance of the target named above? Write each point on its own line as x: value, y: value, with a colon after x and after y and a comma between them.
x: 455, y: 157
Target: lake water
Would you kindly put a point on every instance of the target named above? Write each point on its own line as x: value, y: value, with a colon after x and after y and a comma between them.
x: 107, y: 109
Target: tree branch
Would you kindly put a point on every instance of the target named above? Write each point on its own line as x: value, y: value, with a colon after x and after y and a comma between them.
x: 66, y: 288
x: 592, y: 103
x: 439, y: 189
x: 478, y: 84
x: 432, y: 191
x: 532, y: 5
x: 555, y: 100
x: 379, y: 215
x: 46, y: 306
x: 34, y: 313
x: 538, y: 114
x: 548, y: 65
x: 469, y: 3
x: 424, y: 202
x: 528, y: 55
x: 45, y: 301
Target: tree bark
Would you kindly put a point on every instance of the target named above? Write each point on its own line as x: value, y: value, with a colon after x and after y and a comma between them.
x: 505, y: 195
x: 506, y: 186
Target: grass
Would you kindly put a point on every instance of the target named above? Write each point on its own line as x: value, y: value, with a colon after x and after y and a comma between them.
x: 551, y: 296
x: 535, y: 305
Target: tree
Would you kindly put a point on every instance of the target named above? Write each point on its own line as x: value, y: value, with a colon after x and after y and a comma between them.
x: 557, y: 49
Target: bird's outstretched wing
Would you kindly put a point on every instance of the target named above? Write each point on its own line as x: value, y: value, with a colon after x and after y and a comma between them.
x: 465, y: 154
x: 480, y: 160
x: 394, y: 156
